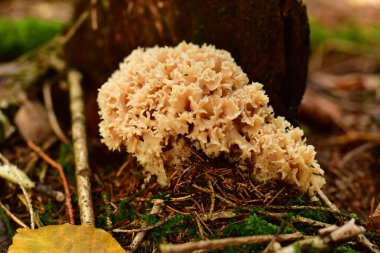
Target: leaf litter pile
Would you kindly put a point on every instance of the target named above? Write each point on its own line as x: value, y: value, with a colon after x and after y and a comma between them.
x: 211, y: 204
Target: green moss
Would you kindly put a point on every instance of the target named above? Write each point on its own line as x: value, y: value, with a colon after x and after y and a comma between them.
x: 6, y: 223
x: 177, y: 224
x: 21, y: 36
x: 66, y: 159
x: 355, y: 33
x: 151, y: 219
x: 315, y: 215
x: 252, y: 225
x: 345, y: 249
x: 125, y: 211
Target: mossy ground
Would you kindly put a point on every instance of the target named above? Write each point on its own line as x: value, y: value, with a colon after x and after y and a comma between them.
x: 21, y: 36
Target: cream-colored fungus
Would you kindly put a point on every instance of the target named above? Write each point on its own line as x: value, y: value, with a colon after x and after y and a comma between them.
x: 163, y: 94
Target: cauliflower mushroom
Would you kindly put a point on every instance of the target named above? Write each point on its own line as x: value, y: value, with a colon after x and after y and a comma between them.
x: 162, y: 96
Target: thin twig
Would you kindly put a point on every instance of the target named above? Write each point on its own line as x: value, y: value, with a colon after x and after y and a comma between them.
x: 326, y: 200
x: 326, y: 241
x: 200, y: 228
x: 12, y: 216
x: 216, y: 195
x: 227, y: 242
x: 50, y: 113
x: 277, y: 194
x: 212, y: 199
x: 297, y: 207
x: 157, y: 206
x: 57, y: 195
x: 61, y: 173
x: 34, y: 157
x: 26, y: 194
x: 74, y: 28
x: 130, y: 231
x: 82, y: 168
x: 354, y: 137
x: 356, y: 151
x: 364, y: 241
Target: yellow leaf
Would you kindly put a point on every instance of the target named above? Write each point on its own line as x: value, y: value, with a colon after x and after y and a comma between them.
x: 64, y: 238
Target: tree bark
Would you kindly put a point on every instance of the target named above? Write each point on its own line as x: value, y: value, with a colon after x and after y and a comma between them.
x: 269, y: 39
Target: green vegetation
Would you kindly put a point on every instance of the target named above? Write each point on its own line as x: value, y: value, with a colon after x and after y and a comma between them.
x: 21, y: 36
x: 345, y: 249
x: 351, y: 33
x: 6, y: 223
x: 177, y: 224
x: 66, y: 159
x: 252, y: 225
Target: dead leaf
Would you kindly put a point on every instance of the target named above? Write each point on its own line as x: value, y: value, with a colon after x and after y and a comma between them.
x: 321, y: 110
x: 32, y: 122
x: 375, y: 219
x: 64, y: 238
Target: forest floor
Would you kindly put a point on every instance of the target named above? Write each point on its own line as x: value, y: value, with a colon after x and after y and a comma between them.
x: 340, y: 115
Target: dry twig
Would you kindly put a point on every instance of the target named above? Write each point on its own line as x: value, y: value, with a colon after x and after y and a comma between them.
x: 325, y: 241
x: 59, y: 168
x: 130, y: 231
x: 227, y: 242
x: 157, y: 206
x: 12, y: 216
x: 27, y: 197
x: 50, y: 113
x: 82, y: 169
x: 354, y: 137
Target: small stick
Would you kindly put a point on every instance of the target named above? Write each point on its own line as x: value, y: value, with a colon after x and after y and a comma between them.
x: 323, y: 243
x: 27, y: 197
x: 216, y: 195
x: 122, y: 167
x: 12, y: 216
x: 50, y: 113
x: 200, y: 228
x: 296, y: 207
x: 130, y: 231
x: 61, y: 173
x: 356, y: 151
x: 310, y: 222
x: 184, y: 198
x: 212, y: 199
x: 157, y: 206
x: 354, y: 137
x: 275, y: 197
x: 82, y: 168
x: 364, y: 241
x: 226, y: 242
x: 57, y: 195
x: 327, y: 201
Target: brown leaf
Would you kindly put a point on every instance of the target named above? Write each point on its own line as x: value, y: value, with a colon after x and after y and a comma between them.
x: 64, y: 238
x: 32, y: 122
x: 375, y: 219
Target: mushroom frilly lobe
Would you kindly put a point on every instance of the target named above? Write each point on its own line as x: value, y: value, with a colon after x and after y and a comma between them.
x: 160, y: 95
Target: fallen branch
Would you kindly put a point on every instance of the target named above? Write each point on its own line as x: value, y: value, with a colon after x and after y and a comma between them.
x: 369, y: 245
x: 227, y: 242
x: 325, y: 241
x: 82, y: 169
x: 61, y: 173
x: 157, y: 206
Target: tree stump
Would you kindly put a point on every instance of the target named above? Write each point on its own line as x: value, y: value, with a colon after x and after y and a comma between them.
x: 269, y: 39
